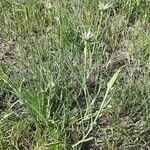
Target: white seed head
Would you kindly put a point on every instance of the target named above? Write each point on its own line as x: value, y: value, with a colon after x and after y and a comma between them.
x: 48, y: 5
x: 86, y: 36
x: 109, y: 106
x: 57, y: 19
x: 103, y: 6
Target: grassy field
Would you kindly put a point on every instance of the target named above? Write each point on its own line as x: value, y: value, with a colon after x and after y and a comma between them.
x: 74, y: 75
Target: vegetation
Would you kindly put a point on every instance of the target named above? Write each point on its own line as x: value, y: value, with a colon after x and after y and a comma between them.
x: 74, y: 74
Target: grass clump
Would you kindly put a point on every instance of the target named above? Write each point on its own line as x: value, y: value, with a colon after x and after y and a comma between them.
x: 74, y: 74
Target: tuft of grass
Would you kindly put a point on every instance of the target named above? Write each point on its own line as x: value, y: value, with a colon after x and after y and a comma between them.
x: 74, y: 74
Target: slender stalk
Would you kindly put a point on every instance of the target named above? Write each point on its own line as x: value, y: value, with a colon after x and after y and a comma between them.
x: 99, y: 25
x: 85, y: 75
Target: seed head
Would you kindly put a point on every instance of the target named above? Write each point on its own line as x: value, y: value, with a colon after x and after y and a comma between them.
x: 109, y: 106
x: 47, y: 4
x: 86, y: 36
x: 57, y: 19
x: 103, y: 6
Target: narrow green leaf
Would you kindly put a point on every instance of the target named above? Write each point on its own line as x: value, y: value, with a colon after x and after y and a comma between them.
x: 113, y: 79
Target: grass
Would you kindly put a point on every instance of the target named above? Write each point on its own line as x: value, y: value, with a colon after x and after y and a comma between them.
x: 74, y: 75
